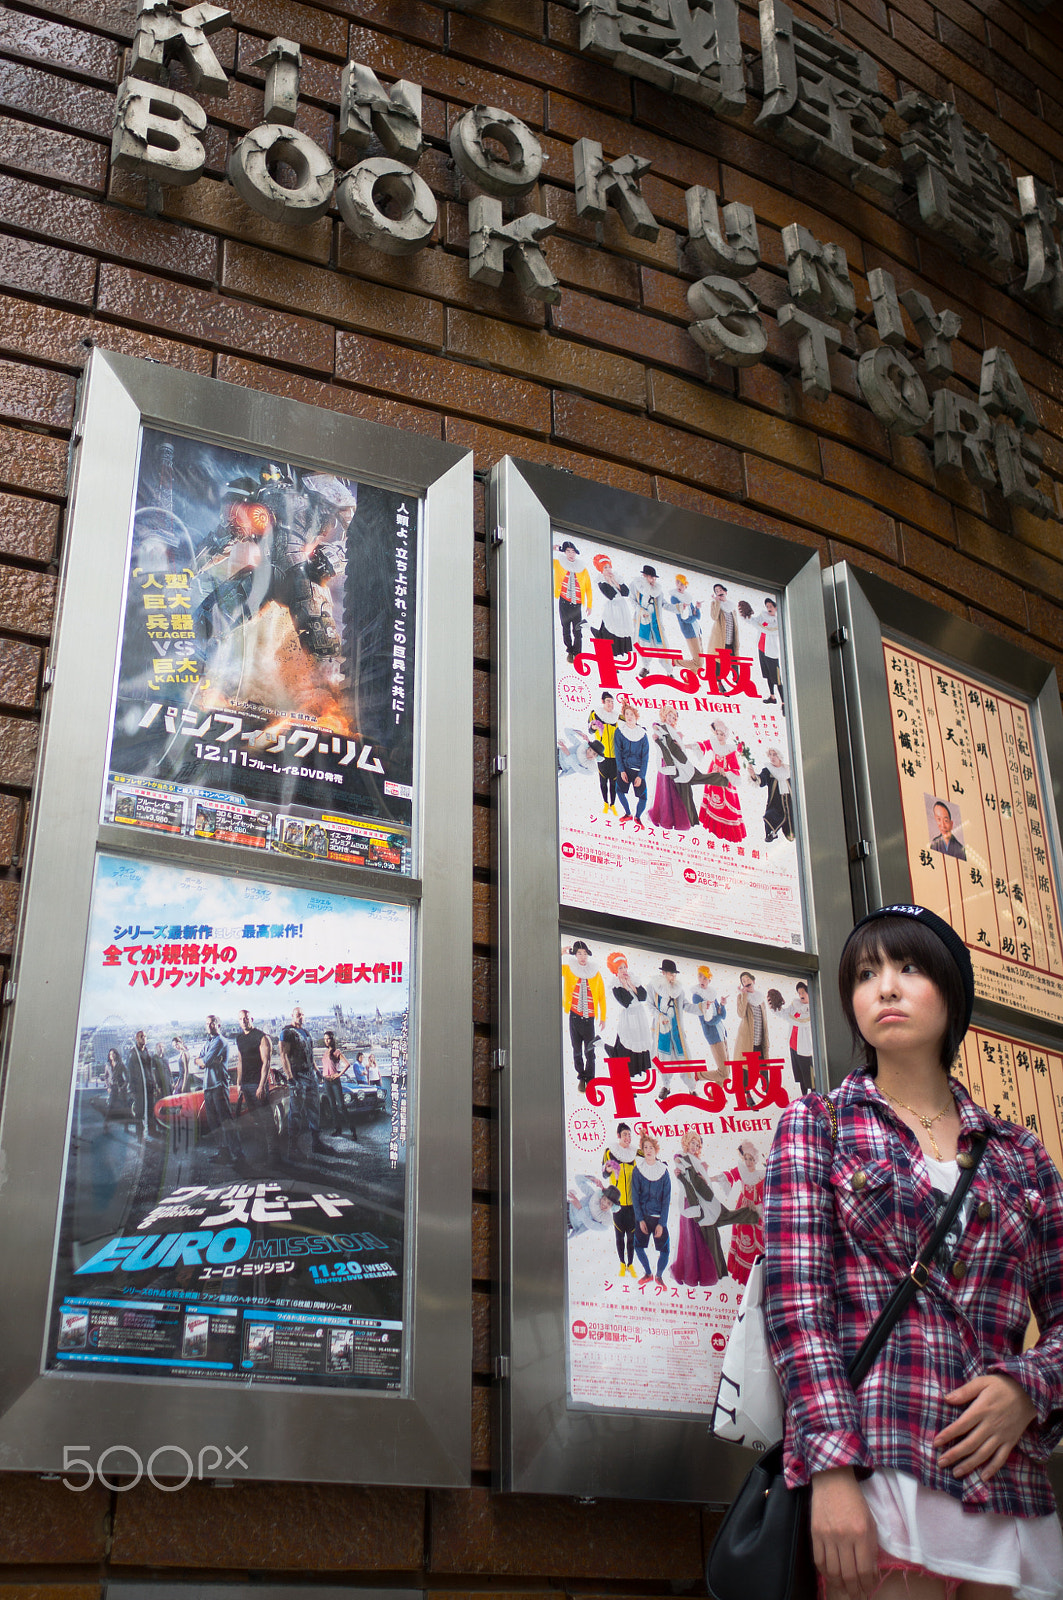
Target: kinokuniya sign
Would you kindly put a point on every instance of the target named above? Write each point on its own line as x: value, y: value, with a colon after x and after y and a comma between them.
x: 824, y: 106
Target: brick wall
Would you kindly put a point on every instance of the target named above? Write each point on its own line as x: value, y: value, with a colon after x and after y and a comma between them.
x: 607, y: 384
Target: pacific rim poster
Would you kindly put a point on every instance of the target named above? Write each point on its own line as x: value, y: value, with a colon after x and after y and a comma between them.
x: 266, y: 680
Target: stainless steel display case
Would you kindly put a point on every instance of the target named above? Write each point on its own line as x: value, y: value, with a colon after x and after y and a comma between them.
x: 546, y: 1445
x: 863, y: 611
x: 421, y: 1436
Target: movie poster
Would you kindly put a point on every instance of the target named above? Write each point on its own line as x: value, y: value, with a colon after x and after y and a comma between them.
x: 675, y: 1075
x: 235, y: 1191
x: 1018, y: 1081
x: 676, y: 792
x: 265, y: 690
x: 977, y: 823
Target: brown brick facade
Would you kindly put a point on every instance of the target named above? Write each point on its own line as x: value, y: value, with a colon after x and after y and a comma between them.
x: 608, y: 384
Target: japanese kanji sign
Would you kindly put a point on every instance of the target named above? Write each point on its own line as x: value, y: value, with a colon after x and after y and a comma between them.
x: 266, y: 684
x: 689, y: 47
x: 1018, y: 1081
x: 235, y: 1187
x: 978, y: 825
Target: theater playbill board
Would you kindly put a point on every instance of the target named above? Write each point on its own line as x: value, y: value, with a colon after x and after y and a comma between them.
x: 675, y: 1074
x: 978, y: 825
x: 676, y: 792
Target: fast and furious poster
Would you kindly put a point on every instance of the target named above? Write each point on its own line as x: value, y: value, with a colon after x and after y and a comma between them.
x: 675, y: 1075
x: 265, y: 692
x: 676, y: 792
x: 234, y: 1198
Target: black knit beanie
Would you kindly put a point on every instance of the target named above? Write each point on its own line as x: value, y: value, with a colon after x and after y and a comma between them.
x: 944, y: 931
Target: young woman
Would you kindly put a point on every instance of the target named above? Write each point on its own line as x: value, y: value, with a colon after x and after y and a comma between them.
x: 928, y: 1481
x: 334, y: 1067
x: 184, y: 1059
x: 114, y: 1081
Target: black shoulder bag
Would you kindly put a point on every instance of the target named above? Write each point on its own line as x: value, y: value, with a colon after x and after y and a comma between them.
x: 764, y: 1543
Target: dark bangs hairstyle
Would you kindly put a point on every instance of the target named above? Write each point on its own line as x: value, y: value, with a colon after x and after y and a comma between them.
x: 904, y: 939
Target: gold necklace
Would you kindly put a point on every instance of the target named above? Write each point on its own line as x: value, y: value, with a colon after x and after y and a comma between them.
x: 927, y: 1122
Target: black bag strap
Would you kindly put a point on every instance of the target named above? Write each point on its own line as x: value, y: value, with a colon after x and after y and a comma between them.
x: 918, y: 1274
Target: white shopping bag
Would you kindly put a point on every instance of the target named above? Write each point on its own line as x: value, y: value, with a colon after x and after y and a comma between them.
x: 749, y: 1407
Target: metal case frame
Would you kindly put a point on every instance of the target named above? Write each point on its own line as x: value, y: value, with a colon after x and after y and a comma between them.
x: 545, y: 1446
x: 294, y: 1433
x: 866, y: 607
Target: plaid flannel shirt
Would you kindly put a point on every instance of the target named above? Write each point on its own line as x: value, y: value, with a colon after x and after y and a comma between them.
x: 842, y: 1223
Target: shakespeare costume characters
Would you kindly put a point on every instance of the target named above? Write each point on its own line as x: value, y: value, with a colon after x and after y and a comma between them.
x: 768, y: 650
x: 712, y: 1014
x: 688, y: 615
x: 721, y: 809
x: 616, y: 615
x: 634, y: 1024
x: 631, y: 748
x: 652, y: 603
x: 583, y: 999
x: 747, y: 1238
x: 572, y: 591
x: 699, y: 1259
x: 724, y: 632
x: 673, y: 804
x: 774, y: 777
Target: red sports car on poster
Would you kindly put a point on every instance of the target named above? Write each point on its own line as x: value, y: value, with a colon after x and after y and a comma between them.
x: 362, y: 1099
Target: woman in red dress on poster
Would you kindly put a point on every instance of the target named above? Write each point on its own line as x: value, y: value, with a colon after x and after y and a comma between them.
x: 747, y: 1238
x: 721, y: 811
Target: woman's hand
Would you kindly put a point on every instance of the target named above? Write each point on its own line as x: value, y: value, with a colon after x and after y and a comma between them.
x: 997, y: 1412
x: 844, y: 1541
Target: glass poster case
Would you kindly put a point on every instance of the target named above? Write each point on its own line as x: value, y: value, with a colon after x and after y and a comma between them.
x: 670, y: 887
x: 241, y: 921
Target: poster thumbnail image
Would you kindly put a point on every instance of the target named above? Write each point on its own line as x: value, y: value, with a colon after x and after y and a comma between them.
x: 676, y: 791
x: 978, y: 825
x: 234, y: 1199
x: 266, y: 681
x: 675, y: 1074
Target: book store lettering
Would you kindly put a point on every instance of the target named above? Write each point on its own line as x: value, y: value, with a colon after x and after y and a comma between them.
x: 821, y: 101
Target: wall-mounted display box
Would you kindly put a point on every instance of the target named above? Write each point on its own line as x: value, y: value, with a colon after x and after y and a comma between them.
x: 236, y: 1146
x: 670, y: 890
